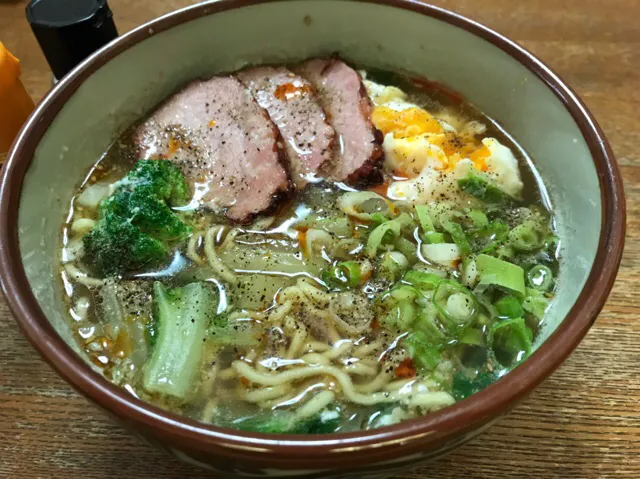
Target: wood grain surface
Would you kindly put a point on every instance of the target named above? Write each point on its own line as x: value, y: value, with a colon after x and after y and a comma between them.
x: 583, y: 422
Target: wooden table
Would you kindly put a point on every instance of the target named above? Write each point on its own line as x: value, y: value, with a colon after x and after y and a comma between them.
x: 582, y: 422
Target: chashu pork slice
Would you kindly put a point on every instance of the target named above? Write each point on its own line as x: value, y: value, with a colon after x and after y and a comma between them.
x: 293, y: 105
x: 225, y: 143
x: 358, y: 152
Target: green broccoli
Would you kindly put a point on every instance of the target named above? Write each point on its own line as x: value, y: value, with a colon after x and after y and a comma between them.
x: 136, y: 225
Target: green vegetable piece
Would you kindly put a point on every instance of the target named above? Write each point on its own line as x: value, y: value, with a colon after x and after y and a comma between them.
x: 433, y: 237
x: 136, y: 227
x: 510, y: 341
x: 392, y: 266
x: 343, y: 275
x: 427, y: 328
x: 540, y: 277
x: 482, y: 188
x: 115, y: 245
x: 421, y: 280
x: 528, y: 236
x: 478, y: 218
x: 408, y: 248
x: 472, y: 336
x: 377, y: 219
x: 399, y: 306
x: 285, y: 422
x: 386, y: 233
x: 509, y: 307
x: 535, y: 303
x: 456, y: 231
x: 426, y: 358
x: 162, y: 178
x: 424, y: 218
x: 496, y: 272
x: 463, y: 386
x: 181, y: 320
x: 455, y: 303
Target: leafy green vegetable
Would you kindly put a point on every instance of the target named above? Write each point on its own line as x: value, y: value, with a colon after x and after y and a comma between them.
x: 285, y: 422
x: 136, y: 227
x: 181, y: 321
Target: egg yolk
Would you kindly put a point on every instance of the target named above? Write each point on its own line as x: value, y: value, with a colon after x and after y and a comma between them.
x: 479, y: 158
x: 405, y: 123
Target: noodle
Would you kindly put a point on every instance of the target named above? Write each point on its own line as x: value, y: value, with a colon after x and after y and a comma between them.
x: 316, y: 404
x: 216, y: 263
x: 81, y: 277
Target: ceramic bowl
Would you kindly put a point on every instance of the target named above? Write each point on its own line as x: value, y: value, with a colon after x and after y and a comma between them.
x: 87, y: 110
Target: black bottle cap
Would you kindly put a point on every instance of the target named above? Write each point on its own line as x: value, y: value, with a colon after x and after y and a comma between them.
x: 68, y: 31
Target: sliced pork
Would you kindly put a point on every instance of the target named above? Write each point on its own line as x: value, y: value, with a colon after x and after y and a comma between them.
x: 357, y: 152
x: 293, y: 106
x: 226, y: 144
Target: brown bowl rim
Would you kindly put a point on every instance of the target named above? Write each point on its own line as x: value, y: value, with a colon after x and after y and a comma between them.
x: 320, y: 451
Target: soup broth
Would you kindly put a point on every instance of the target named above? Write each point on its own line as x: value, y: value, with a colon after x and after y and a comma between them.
x: 348, y: 307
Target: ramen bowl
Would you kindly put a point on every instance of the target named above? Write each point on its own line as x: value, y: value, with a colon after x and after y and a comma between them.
x: 90, y: 107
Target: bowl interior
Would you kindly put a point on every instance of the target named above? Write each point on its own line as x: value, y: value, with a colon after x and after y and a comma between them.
x: 131, y: 83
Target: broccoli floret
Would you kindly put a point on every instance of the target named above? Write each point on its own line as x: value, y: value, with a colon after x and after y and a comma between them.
x: 136, y: 226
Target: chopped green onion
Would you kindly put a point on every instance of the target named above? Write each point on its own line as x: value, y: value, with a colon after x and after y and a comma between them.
x: 455, y: 230
x: 509, y: 307
x: 473, y: 337
x: 482, y: 188
x: 392, y: 266
x: 469, y: 271
x: 540, y: 277
x: 423, y: 217
x: 427, y: 327
x: 478, y: 218
x: 455, y: 302
x: 377, y: 219
x: 422, y: 281
x: 386, y: 233
x: 496, y: 272
x: 510, y: 341
x: 433, y: 237
x: 401, y: 316
x: 345, y: 274
x: 425, y: 357
x: 408, y: 248
x: 528, y: 236
x: 535, y: 303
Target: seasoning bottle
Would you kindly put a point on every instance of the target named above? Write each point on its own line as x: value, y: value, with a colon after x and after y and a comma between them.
x: 15, y: 102
x: 68, y: 31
